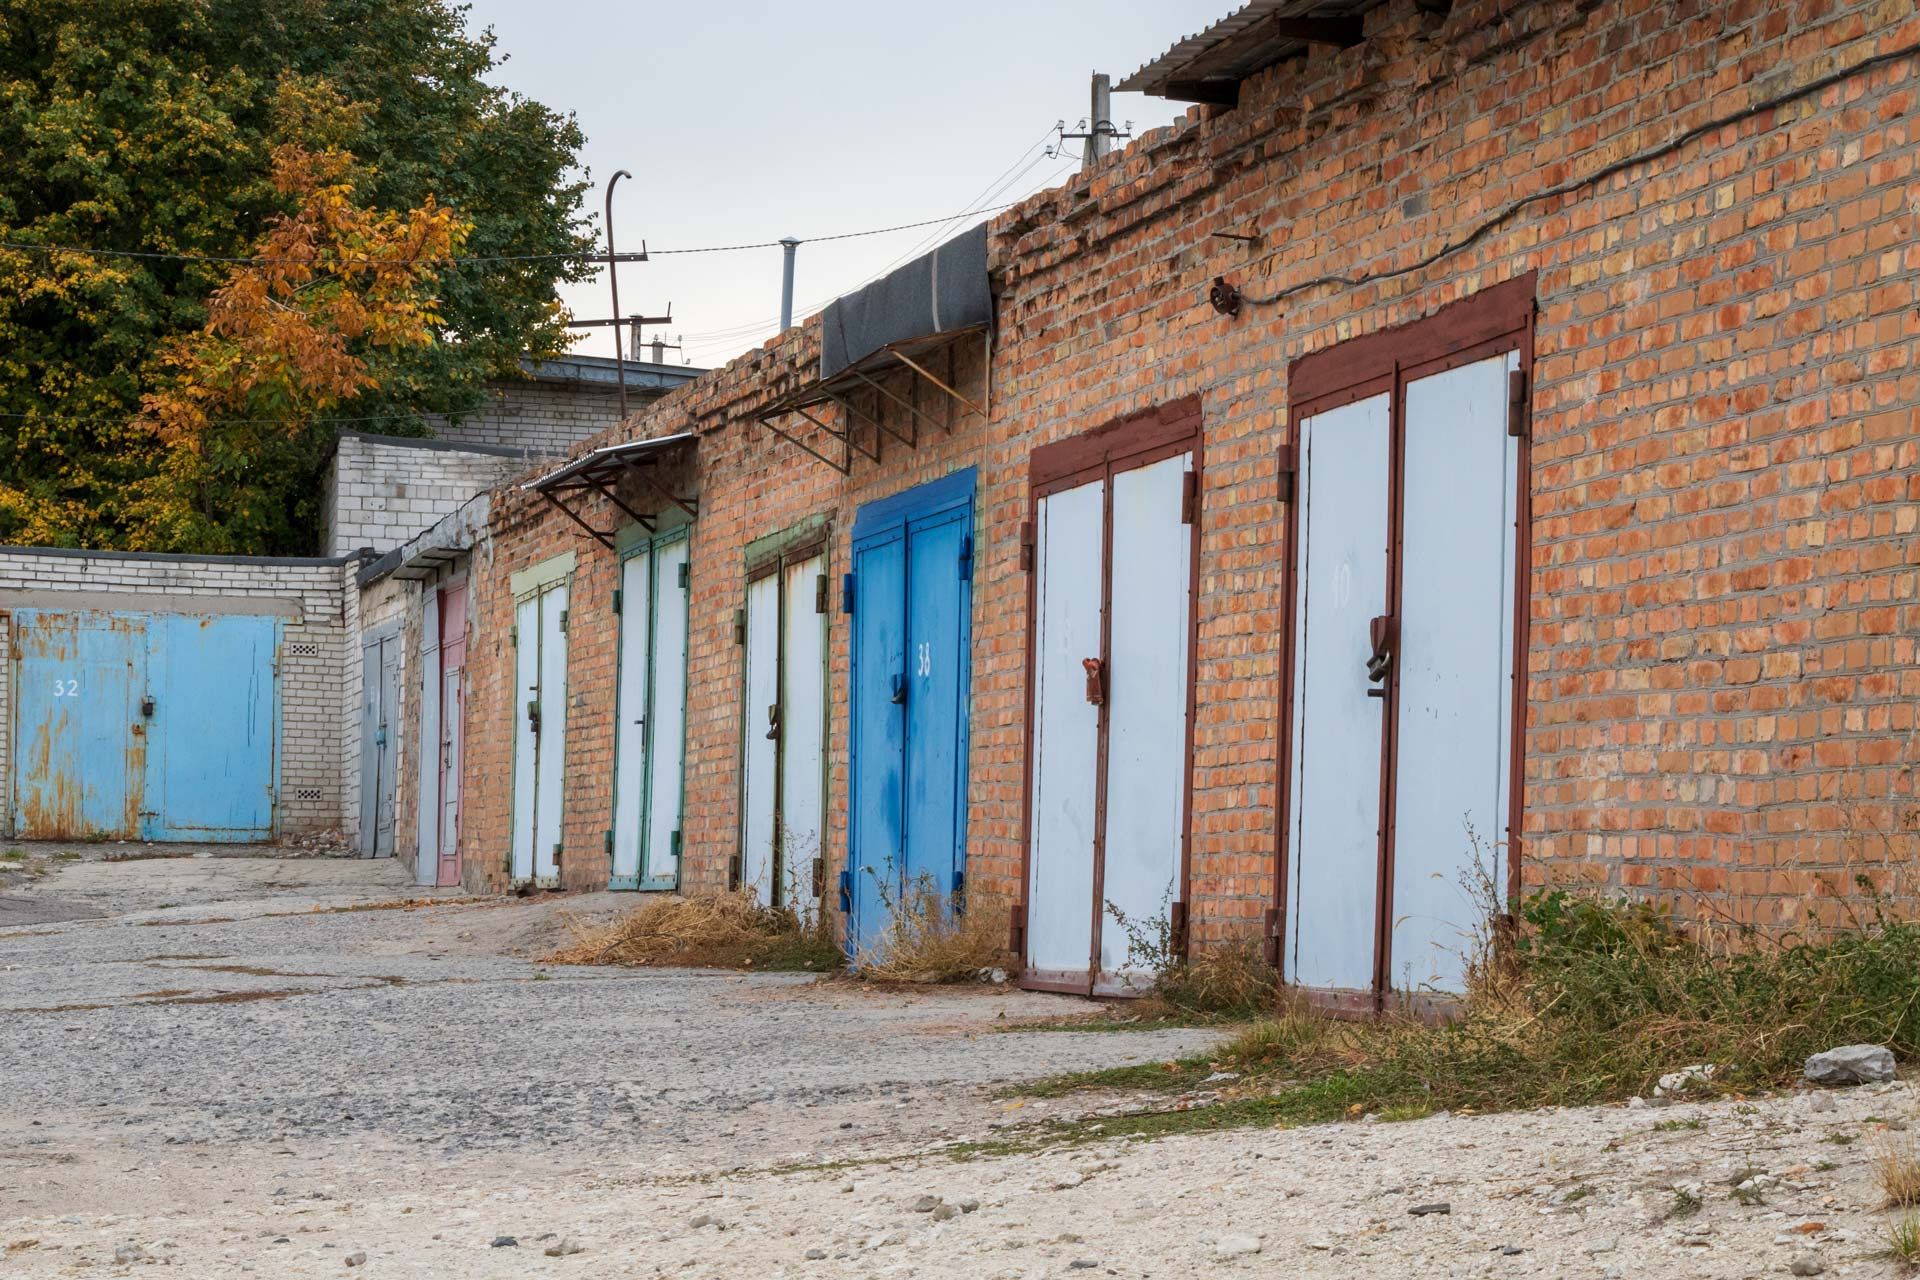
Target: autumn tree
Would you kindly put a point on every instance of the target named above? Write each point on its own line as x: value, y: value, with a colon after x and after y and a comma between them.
x: 154, y: 128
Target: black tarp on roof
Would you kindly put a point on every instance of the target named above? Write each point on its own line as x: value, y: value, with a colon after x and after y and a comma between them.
x: 944, y: 291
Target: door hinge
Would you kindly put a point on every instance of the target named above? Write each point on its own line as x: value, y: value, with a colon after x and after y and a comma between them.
x: 607, y: 841
x: 1177, y: 928
x: 1517, y: 403
x: 1026, y: 546
x: 557, y: 852
x: 673, y: 846
x: 739, y: 626
x: 846, y: 892
x: 959, y: 893
x: 686, y: 574
x: 733, y: 873
x: 846, y: 594
x: 1271, y: 937
x: 616, y: 599
x: 1017, y: 931
x: 820, y: 593
x: 819, y: 878
x: 563, y: 620
x: 1190, y: 497
x: 513, y: 635
x: 1289, y: 472
x: 966, y: 558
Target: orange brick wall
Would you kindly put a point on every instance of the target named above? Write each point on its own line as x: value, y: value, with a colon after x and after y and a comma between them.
x: 1721, y: 675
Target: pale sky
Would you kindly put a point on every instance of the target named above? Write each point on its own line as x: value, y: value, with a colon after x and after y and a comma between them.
x: 749, y: 121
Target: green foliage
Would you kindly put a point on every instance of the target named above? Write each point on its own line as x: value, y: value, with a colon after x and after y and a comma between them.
x: 150, y: 126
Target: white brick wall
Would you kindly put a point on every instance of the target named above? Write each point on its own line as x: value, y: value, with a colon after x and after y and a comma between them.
x: 545, y: 418
x: 381, y: 493
x: 316, y: 596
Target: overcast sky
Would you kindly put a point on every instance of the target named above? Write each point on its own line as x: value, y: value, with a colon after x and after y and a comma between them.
x: 748, y: 121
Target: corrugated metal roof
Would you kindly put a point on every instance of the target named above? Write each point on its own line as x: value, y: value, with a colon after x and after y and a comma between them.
x: 1208, y: 65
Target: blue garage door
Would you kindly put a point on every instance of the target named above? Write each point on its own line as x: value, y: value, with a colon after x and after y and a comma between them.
x: 144, y: 726
x: 910, y: 593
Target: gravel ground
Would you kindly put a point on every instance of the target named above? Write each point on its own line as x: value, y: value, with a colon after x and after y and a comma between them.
x: 225, y: 1070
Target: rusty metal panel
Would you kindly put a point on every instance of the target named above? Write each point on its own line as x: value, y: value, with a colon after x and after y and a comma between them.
x: 80, y: 742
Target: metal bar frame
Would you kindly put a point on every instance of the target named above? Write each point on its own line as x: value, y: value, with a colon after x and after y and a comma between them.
x: 878, y: 425
x: 846, y: 436
x: 690, y: 506
x: 914, y: 365
x: 844, y: 468
x: 605, y: 540
x: 904, y: 404
x: 645, y: 522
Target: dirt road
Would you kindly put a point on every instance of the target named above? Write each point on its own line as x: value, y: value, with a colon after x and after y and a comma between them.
x: 241, y: 1065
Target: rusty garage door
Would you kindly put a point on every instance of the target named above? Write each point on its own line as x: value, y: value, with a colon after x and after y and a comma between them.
x: 144, y: 726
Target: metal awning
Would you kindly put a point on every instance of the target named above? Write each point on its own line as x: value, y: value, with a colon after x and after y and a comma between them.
x: 930, y: 359
x: 599, y: 470
x: 1209, y: 65
x: 447, y: 540
x: 909, y: 319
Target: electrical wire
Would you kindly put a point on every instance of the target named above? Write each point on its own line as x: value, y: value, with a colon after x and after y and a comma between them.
x: 1617, y: 167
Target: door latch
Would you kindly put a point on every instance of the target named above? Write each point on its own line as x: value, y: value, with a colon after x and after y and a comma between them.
x: 773, y: 723
x: 1096, y: 680
x: 899, y: 689
x: 1382, y: 631
x: 146, y: 708
x: 533, y: 713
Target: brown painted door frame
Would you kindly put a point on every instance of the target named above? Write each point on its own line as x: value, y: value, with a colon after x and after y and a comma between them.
x: 1494, y: 321
x: 1137, y: 440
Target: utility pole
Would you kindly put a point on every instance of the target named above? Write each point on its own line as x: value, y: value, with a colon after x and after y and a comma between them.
x: 1100, y: 122
x: 1099, y: 131
x: 788, y: 244
x: 613, y: 281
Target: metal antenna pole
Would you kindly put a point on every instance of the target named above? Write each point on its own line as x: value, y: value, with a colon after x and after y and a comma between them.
x: 613, y: 280
x: 789, y: 244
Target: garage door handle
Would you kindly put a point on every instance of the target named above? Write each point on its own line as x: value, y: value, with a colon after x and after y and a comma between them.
x: 146, y: 708
x: 1382, y: 632
x: 773, y: 722
x: 1096, y: 680
x: 900, y: 690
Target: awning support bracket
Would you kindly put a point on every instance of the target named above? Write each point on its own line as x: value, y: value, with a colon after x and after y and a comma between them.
x: 689, y: 505
x: 915, y: 365
x: 846, y: 406
x: 904, y: 404
x: 605, y: 540
x: 844, y: 468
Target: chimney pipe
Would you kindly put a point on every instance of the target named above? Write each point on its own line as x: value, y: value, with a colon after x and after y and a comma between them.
x: 787, y: 244
x: 1100, y: 122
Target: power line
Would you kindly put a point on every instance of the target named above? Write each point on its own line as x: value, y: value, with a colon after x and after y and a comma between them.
x: 152, y: 255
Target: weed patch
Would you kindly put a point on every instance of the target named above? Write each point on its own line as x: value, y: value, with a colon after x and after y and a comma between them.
x: 930, y: 938
x: 727, y: 931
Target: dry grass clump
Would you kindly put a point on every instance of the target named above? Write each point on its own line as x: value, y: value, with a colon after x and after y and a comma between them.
x: 1229, y: 983
x: 725, y: 931
x: 931, y: 939
x: 1897, y: 1169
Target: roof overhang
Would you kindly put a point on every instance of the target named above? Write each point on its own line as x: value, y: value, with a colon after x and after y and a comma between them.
x: 601, y: 469
x: 446, y: 540
x: 1209, y: 65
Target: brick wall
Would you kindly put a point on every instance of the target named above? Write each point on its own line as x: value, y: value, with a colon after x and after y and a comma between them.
x: 382, y: 490
x: 311, y: 595
x: 544, y: 418
x: 1720, y: 677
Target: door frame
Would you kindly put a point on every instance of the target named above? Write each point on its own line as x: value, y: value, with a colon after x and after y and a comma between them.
x: 1125, y: 444
x: 876, y: 522
x: 767, y: 557
x: 634, y: 540
x: 527, y: 584
x: 372, y: 688
x: 1492, y: 322
x: 457, y: 781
